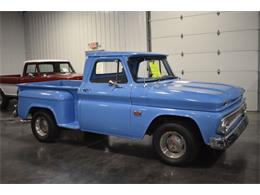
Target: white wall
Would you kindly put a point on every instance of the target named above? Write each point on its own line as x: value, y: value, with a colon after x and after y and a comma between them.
x: 12, y: 46
x: 66, y: 35
x: 238, y: 43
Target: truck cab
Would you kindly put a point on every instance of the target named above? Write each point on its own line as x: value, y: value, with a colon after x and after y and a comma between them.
x: 133, y: 94
x: 35, y: 71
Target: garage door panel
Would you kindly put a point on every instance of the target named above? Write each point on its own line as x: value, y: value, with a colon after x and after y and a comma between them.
x: 238, y: 20
x: 189, y: 25
x: 156, y: 15
x: 238, y: 61
x: 228, y: 21
x: 245, y: 40
x: 166, y: 28
x: 197, y: 62
x: 166, y: 46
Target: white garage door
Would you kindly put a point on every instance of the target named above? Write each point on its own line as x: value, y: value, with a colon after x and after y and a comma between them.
x: 211, y: 46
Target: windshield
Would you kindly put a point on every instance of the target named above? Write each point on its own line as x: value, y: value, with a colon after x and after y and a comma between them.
x: 55, y: 67
x: 150, y: 69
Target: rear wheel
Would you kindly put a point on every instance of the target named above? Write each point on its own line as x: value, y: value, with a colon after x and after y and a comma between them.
x: 176, y: 144
x: 44, y: 126
x: 4, y: 101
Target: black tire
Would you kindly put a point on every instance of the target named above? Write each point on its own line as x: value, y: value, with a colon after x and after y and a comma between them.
x: 189, y: 148
x: 41, y: 120
x: 4, y: 100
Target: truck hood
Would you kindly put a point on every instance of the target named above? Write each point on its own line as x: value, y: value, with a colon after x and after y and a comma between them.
x: 189, y: 95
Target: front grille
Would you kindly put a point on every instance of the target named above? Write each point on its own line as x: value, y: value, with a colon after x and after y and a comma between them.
x: 234, y: 115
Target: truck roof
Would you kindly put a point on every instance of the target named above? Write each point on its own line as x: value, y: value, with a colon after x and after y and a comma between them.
x: 117, y: 53
x: 45, y: 60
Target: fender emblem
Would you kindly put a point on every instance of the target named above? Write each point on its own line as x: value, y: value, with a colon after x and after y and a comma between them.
x: 137, y: 113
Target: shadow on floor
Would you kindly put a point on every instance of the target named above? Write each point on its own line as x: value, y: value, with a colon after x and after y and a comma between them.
x: 141, y: 149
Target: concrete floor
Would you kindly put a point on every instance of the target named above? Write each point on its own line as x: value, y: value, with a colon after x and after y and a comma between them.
x: 101, y: 159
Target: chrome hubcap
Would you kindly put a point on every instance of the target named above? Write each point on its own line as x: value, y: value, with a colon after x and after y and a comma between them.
x: 172, y: 144
x: 41, y: 126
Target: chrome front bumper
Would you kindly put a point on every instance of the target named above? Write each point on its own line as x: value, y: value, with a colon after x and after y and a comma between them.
x: 224, y: 142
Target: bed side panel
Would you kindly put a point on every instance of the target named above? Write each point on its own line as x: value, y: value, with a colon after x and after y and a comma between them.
x: 60, y: 102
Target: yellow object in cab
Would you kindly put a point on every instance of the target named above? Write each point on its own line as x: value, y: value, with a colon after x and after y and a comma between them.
x: 155, y: 69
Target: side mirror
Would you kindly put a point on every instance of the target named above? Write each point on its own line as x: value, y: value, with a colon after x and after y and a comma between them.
x: 115, y: 84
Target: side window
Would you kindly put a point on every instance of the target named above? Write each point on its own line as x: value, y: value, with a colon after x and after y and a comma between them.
x: 108, y: 70
x: 64, y: 67
x: 45, y: 68
x: 31, y: 68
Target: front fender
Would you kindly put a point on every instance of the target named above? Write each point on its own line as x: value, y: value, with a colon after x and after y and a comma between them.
x: 206, y: 121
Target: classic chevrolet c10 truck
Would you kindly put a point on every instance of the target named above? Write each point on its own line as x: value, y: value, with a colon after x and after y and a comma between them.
x: 131, y: 94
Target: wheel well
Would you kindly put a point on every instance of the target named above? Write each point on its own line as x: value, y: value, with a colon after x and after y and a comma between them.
x: 185, y: 121
x: 35, y: 109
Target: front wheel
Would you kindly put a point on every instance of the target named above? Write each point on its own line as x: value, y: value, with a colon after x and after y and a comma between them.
x: 44, y: 126
x: 176, y: 144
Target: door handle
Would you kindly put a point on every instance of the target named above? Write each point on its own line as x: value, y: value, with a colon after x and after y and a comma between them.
x: 86, y: 90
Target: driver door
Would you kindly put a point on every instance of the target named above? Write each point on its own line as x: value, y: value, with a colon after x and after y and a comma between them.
x: 30, y: 73
x: 104, y: 100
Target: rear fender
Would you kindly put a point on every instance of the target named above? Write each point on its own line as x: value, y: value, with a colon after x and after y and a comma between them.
x: 60, y: 103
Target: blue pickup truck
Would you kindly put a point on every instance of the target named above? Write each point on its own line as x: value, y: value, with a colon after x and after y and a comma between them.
x: 133, y: 94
